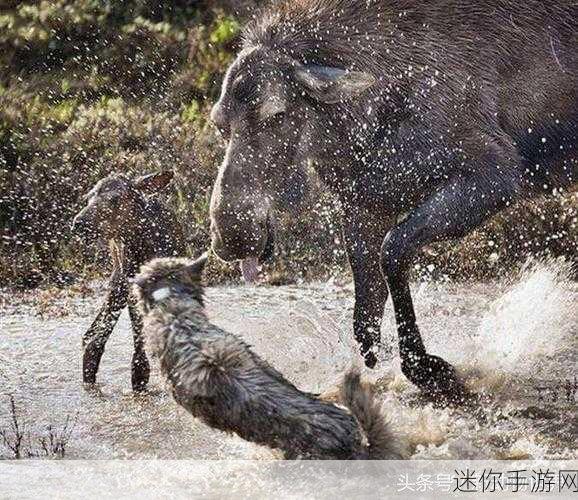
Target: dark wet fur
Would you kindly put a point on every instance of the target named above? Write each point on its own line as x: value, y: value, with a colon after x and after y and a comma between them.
x: 217, y: 377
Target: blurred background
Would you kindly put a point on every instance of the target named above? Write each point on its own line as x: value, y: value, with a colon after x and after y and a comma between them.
x: 89, y: 87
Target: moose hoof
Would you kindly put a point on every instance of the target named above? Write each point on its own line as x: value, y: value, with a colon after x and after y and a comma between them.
x: 139, y: 384
x: 139, y: 388
x: 370, y: 359
x: 434, y: 376
x: 140, y: 374
x: 88, y: 378
x: 89, y: 382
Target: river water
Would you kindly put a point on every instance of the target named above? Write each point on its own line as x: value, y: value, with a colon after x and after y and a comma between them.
x: 514, y: 342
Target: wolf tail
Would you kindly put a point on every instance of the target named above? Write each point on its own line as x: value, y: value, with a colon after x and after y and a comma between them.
x: 360, y: 400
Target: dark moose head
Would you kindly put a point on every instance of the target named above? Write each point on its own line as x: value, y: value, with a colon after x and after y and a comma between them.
x: 272, y: 111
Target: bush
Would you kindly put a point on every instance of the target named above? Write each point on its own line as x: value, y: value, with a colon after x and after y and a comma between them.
x: 94, y: 86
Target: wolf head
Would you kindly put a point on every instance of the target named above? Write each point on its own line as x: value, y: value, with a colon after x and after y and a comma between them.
x: 160, y: 279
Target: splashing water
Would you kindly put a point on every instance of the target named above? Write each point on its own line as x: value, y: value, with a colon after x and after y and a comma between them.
x: 531, y: 322
x: 501, y: 338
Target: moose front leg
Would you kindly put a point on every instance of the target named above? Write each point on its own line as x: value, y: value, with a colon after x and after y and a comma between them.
x: 452, y: 212
x: 140, y: 368
x: 363, y: 235
x: 95, y: 338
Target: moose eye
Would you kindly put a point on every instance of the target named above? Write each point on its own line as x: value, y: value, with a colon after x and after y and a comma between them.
x: 112, y: 198
x: 277, y: 115
x: 272, y: 109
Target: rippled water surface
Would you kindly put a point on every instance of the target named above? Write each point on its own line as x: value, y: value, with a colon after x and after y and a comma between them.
x: 515, y: 343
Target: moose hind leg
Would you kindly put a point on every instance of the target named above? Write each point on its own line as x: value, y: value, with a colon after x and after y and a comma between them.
x: 140, y: 367
x: 461, y: 205
x: 94, y: 342
x: 95, y: 338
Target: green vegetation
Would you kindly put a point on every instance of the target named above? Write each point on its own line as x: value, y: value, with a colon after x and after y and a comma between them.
x: 93, y: 86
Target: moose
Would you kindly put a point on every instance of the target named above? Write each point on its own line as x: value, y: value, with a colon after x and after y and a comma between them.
x: 424, y: 118
x: 137, y: 227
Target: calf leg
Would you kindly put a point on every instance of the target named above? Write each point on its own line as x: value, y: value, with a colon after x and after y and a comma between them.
x: 140, y: 368
x: 460, y: 206
x: 363, y: 235
x: 95, y: 338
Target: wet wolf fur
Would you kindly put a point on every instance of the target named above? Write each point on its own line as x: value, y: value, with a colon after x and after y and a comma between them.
x: 137, y: 227
x: 425, y: 118
x: 218, y: 378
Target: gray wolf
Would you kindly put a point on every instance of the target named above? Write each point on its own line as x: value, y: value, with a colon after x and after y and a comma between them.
x: 218, y: 378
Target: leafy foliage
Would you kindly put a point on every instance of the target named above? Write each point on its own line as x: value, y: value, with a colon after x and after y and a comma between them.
x: 93, y: 86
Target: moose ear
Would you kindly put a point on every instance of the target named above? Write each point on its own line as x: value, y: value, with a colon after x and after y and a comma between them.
x: 332, y: 85
x: 153, y: 183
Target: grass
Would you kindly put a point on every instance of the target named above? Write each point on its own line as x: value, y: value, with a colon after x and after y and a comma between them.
x: 52, y: 442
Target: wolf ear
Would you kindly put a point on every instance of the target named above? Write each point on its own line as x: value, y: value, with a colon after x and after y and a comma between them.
x: 332, y: 85
x: 153, y: 183
x: 196, y: 267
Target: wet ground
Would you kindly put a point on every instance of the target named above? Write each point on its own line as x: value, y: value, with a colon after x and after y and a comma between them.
x: 515, y: 343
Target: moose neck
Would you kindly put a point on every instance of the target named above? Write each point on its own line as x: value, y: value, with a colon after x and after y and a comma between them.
x: 160, y: 232
x: 133, y: 246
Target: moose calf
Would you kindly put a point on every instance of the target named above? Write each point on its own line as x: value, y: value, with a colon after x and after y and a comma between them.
x: 218, y: 378
x: 137, y: 227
